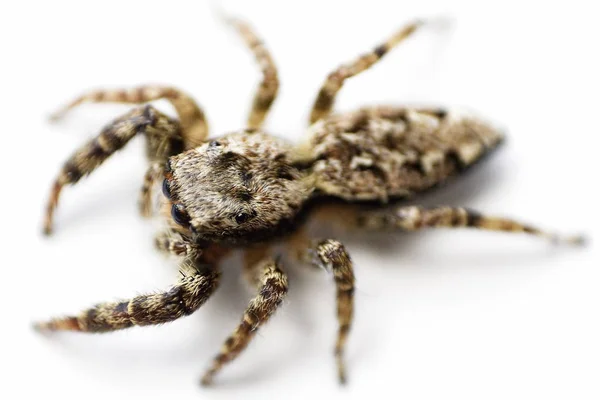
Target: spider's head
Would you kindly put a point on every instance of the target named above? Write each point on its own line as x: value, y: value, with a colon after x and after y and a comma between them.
x: 235, y: 189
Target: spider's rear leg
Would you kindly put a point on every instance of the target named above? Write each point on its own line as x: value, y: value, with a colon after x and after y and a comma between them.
x: 332, y: 256
x: 196, y: 285
x: 191, y: 116
x: 163, y: 140
x: 267, y: 90
x: 273, y: 287
x: 412, y: 218
x: 335, y: 80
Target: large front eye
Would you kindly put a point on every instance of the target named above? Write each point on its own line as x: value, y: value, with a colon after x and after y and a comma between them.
x: 166, y: 189
x: 179, y: 215
x: 244, y: 217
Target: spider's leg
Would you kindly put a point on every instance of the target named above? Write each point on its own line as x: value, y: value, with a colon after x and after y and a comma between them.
x: 272, y: 289
x: 412, y: 218
x: 163, y: 139
x: 267, y: 90
x: 191, y: 116
x: 326, y: 97
x: 196, y: 285
x: 172, y: 243
x: 332, y: 256
x: 252, y: 265
x: 154, y: 172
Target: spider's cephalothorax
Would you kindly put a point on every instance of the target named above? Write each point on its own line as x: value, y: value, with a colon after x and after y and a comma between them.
x: 238, y: 188
x: 250, y: 190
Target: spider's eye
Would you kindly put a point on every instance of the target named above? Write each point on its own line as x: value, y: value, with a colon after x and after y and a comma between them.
x: 179, y: 215
x: 243, y: 217
x: 214, y: 143
x: 166, y: 189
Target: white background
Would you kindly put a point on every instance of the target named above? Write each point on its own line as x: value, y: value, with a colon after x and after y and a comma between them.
x: 440, y: 314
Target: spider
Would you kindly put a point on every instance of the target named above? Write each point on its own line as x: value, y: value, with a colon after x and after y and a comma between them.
x: 249, y: 190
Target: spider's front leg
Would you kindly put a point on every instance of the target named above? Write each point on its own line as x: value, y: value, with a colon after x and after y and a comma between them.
x: 191, y: 116
x: 173, y: 243
x: 197, y: 284
x: 153, y: 174
x: 163, y: 136
x: 272, y: 288
x: 332, y: 256
x: 410, y: 218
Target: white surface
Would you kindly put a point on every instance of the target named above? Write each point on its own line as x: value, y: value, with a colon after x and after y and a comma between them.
x: 439, y: 314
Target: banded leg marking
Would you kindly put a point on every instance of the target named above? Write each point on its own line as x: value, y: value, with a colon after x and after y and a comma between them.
x: 185, y: 297
x: 153, y: 174
x: 269, y: 86
x: 162, y: 134
x: 332, y: 256
x: 272, y: 289
x: 191, y: 116
x: 334, y: 82
x: 412, y: 218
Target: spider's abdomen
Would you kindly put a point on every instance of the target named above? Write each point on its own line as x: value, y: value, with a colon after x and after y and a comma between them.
x: 383, y: 153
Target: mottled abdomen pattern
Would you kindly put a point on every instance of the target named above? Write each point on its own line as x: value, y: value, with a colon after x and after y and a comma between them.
x: 382, y: 153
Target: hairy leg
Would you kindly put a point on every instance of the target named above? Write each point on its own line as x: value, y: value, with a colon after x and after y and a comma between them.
x: 267, y: 90
x: 191, y: 116
x: 173, y: 243
x: 335, y: 80
x: 196, y: 285
x: 252, y: 265
x: 412, y: 218
x: 154, y: 172
x: 332, y: 256
x: 272, y: 289
x: 163, y: 139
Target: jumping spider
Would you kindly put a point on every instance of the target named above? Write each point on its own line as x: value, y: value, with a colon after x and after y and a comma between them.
x: 249, y: 190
